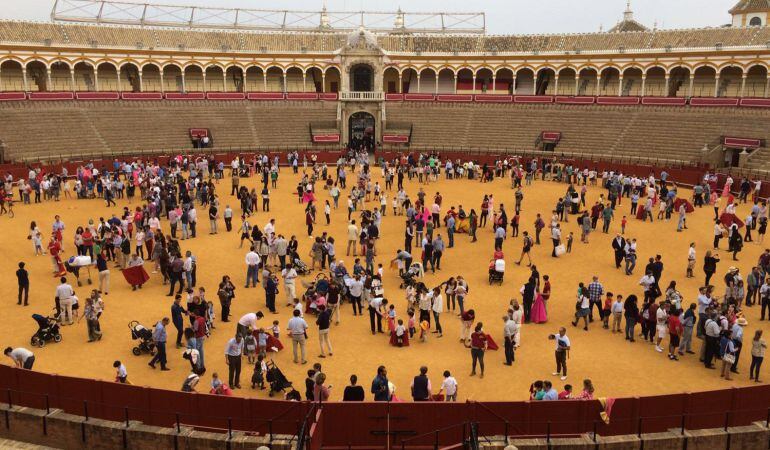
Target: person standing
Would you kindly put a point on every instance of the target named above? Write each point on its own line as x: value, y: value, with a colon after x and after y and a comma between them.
x: 324, y: 322
x: 562, y: 349
x: 233, y: 353
x: 252, y: 267
x: 376, y: 308
x: 228, y: 215
x: 21, y: 357
x: 177, y: 311
x: 289, y: 275
x: 271, y: 289
x: 353, y: 393
x: 509, y: 333
x: 381, y: 386
x: 104, y: 274
x: 619, y: 247
x: 22, y: 276
x: 298, y: 330
x: 65, y: 295
x: 420, y: 387
x: 449, y: 387
x: 159, y: 337
x: 758, y: 347
x: 478, y: 347
x: 437, y: 306
x: 764, y: 298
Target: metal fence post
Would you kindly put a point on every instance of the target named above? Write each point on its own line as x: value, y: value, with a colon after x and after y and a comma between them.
x: 435, y: 442
x: 548, y: 433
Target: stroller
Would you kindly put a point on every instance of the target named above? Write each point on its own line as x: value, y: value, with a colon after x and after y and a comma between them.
x: 47, y: 330
x: 276, y: 378
x: 299, y: 266
x: 497, y: 271
x: 144, y: 336
x: 408, y: 277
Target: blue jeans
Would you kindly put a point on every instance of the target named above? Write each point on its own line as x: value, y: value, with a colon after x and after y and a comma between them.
x: 630, y: 324
x: 252, y: 273
x: 199, y: 347
x: 451, y: 234
x: 630, y: 264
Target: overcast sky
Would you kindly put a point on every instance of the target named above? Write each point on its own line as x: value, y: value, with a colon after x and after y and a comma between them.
x: 503, y: 16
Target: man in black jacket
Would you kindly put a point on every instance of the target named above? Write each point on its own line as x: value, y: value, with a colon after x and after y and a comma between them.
x: 421, y: 386
x: 619, y: 246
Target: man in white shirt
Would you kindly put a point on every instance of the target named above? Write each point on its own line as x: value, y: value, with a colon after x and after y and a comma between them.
x: 21, y: 357
x: 355, y: 291
x: 289, y: 275
x: 661, y: 318
x: 248, y: 323
x: 647, y: 282
x: 269, y: 227
x: 449, y: 387
x: 233, y: 352
x: 562, y: 347
x: 252, y: 267
x: 376, y: 311
x: 352, y: 238
x: 192, y: 215
x: 509, y: 334
x: 298, y: 331
x: 65, y: 296
x: 691, y: 260
x: 437, y: 305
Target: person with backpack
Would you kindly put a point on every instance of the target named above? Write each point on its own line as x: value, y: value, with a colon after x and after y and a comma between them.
x: 525, y: 250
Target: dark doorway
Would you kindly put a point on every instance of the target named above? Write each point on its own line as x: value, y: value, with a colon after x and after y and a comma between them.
x: 362, y: 77
x: 361, y: 130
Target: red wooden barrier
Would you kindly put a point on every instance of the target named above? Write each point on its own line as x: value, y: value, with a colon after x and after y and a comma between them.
x: 97, y: 95
x: 51, y: 96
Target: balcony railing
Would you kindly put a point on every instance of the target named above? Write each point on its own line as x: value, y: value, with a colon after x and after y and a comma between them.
x: 362, y: 96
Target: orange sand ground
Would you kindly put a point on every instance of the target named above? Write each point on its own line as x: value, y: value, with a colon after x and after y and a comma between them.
x: 617, y: 368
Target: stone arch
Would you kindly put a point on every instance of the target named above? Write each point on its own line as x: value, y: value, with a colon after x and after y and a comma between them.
x: 151, y: 81
x: 610, y: 81
x: 215, y: 78
x: 704, y: 81
x: 107, y: 77
x: 274, y: 76
x: 503, y: 81
x: 484, y: 80
x: 61, y: 76
x: 730, y: 81
x: 446, y: 80
x: 11, y: 75
x: 588, y: 83
x: 390, y: 80
x: 314, y: 76
x: 655, y: 81
x: 632, y: 81
x: 172, y: 78
x: 525, y: 81
x: 255, y: 79
x: 234, y: 78
x: 679, y: 78
x: 361, y: 76
x: 333, y: 79
x: 567, y: 81
x: 85, y: 76
x: 294, y: 79
x: 37, y: 76
x: 428, y: 81
x: 546, y: 81
x: 193, y: 78
x: 409, y: 80
x: 756, y: 81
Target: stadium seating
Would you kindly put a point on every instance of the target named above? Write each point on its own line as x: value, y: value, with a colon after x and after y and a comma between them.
x: 622, y: 130
x: 33, y: 130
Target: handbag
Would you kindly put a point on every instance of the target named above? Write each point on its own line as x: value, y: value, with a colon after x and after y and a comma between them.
x: 729, y: 358
x: 560, y: 250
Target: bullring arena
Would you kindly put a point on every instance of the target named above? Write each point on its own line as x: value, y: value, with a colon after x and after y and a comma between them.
x: 117, y: 122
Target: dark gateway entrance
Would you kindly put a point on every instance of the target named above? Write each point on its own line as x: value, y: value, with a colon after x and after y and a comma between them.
x: 361, y: 126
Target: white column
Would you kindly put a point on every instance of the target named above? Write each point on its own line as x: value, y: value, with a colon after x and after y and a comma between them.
x: 436, y: 90
x: 204, y: 81
x: 323, y: 82
x: 304, y: 82
x: 162, y: 87
x: 96, y: 80
x: 473, y: 90
x: 668, y: 82
x: 577, y: 84
x: 767, y: 85
x: 494, y: 83
x: 72, y: 78
x: 513, y: 84
x: 455, y: 88
x: 418, y: 84
x: 598, y: 83
x: 620, y: 85
x: 644, y: 84
x: 264, y: 81
x: 224, y: 81
x: 141, y: 82
x: 556, y: 84
x: 285, y: 86
x: 245, y: 79
x: 47, y: 78
x: 692, y: 80
x: 120, y: 88
x: 184, y: 85
x: 24, y: 78
x: 743, y: 84
x: 716, y: 85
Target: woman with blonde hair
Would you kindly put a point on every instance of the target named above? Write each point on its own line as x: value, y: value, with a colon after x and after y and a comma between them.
x: 758, y: 347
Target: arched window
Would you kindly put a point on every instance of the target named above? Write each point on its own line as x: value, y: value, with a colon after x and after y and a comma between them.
x: 755, y: 22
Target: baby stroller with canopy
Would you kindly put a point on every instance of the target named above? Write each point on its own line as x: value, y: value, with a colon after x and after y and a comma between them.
x: 497, y: 271
x: 144, y: 336
x: 408, y: 277
x: 300, y: 267
x: 276, y: 378
x: 47, y: 330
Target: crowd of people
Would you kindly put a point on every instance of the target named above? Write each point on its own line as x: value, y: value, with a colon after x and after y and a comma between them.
x: 150, y: 237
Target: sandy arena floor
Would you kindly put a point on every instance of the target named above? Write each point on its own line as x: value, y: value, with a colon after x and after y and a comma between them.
x: 617, y: 368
